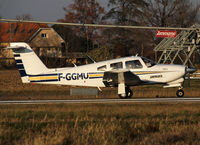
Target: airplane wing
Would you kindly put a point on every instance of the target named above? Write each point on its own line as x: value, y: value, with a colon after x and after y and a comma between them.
x: 120, y: 79
x: 113, y: 78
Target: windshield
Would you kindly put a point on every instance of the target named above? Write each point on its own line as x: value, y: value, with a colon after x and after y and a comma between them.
x: 148, y: 62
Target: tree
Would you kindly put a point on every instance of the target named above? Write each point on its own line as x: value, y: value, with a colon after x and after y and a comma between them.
x: 24, y: 17
x: 103, y: 53
x: 168, y: 13
x: 84, y: 11
x: 174, y: 13
x: 125, y: 12
x: 74, y: 43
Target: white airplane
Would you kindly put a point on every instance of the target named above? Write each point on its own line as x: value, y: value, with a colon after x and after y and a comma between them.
x: 120, y: 72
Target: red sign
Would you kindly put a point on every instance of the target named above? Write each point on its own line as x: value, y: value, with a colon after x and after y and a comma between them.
x: 166, y: 33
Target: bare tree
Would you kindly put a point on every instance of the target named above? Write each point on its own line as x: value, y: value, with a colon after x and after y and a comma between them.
x: 84, y: 11
x: 178, y: 13
x: 24, y: 17
x: 125, y: 12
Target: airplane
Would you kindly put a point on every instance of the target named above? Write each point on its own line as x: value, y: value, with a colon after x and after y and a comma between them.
x: 121, y: 72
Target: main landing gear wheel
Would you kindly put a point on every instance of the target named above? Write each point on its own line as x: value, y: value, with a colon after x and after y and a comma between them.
x: 180, y: 93
x: 128, y: 94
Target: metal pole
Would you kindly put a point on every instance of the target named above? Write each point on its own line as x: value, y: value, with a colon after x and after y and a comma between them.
x: 99, y: 25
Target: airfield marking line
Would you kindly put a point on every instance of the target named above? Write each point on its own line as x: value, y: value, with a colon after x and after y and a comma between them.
x: 147, y: 100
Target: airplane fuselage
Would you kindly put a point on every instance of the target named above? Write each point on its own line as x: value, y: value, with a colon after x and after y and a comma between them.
x: 92, y: 74
x: 120, y: 72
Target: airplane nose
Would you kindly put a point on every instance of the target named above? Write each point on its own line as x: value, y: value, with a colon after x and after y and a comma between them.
x: 190, y: 70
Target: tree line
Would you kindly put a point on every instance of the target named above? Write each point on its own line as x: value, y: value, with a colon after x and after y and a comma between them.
x: 123, y: 42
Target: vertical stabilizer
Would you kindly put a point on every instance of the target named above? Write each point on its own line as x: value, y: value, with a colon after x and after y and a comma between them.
x: 27, y: 61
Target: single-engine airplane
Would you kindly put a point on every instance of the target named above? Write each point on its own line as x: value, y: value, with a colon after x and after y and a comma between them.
x: 120, y: 72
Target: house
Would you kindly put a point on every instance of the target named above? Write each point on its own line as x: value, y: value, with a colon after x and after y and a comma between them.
x: 43, y: 39
x: 47, y: 42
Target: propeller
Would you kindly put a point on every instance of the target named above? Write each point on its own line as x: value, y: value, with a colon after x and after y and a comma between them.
x: 189, y: 71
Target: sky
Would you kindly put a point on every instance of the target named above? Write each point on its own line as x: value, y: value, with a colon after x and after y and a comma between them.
x: 40, y: 10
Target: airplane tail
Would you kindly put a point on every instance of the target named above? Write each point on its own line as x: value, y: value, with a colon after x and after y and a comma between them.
x: 27, y: 61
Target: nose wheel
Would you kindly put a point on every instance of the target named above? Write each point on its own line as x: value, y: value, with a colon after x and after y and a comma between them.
x: 180, y: 93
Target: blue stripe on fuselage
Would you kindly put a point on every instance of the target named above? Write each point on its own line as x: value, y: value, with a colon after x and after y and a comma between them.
x: 16, y: 55
x: 40, y: 75
x: 20, y: 66
x: 22, y: 73
x: 18, y: 61
x: 53, y: 80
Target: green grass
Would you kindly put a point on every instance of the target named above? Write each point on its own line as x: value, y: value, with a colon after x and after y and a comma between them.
x: 101, y: 124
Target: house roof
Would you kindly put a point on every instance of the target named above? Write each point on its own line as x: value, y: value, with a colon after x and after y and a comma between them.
x: 18, y: 32
x: 54, y: 40
x: 40, y: 29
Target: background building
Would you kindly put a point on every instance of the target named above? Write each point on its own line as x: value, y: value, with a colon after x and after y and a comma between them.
x: 44, y: 40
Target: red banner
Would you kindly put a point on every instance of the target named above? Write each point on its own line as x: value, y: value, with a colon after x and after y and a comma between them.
x: 166, y: 33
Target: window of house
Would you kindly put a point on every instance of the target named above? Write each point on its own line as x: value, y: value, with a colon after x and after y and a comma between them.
x: 117, y: 65
x: 102, y: 68
x: 133, y: 64
x: 44, y: 35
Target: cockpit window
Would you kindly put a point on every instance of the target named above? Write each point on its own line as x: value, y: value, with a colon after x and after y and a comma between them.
x: 148, y: 62
x: 102, y: 68
x: 117, y: 65
x: 133, y: 64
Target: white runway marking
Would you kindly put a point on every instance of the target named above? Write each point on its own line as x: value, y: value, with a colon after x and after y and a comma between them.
x: 103, y: 101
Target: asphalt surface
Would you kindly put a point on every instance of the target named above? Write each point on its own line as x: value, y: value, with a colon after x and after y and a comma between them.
x: 103, y: 101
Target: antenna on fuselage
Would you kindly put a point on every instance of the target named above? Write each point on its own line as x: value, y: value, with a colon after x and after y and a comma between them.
x: 74, y: 64
x: 91, y: 58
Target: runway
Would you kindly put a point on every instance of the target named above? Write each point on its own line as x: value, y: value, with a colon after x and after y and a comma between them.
x: 103, y: 101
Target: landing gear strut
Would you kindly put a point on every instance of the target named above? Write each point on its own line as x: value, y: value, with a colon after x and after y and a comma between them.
x: 180, y: 93
x: 127, y: 95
